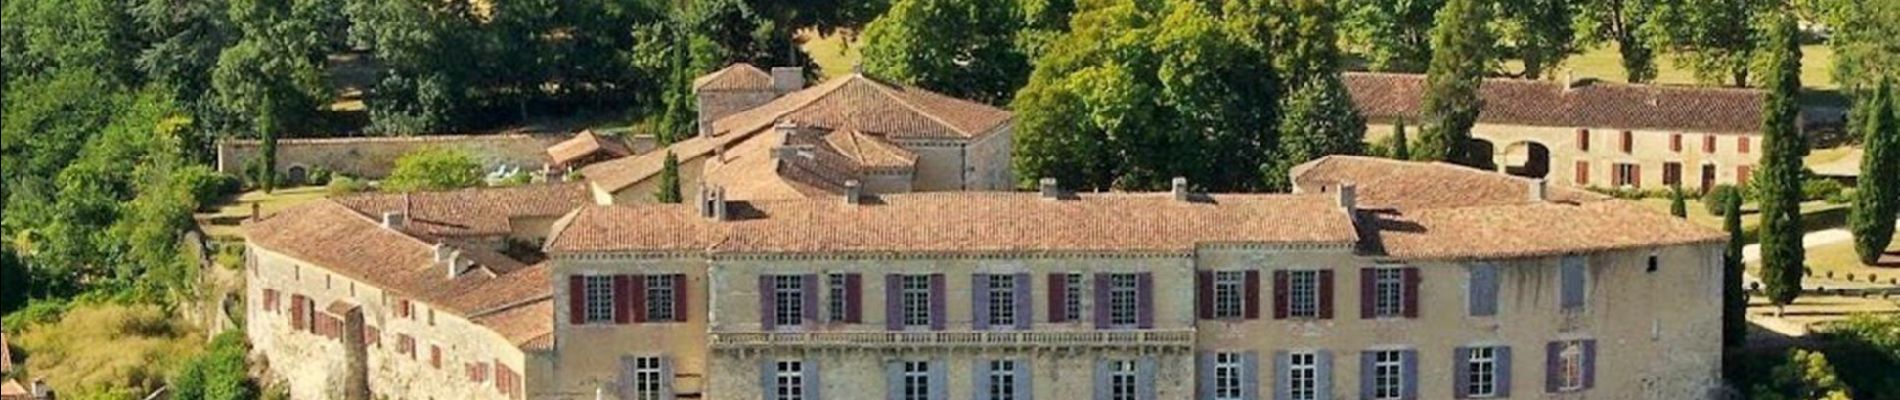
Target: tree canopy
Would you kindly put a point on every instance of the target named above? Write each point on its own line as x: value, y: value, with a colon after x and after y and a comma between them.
x: 1461, y: 55
x: 433, y: 170
x: 1877, y: 198
x: 1778, y: 179
x: 962, y: 48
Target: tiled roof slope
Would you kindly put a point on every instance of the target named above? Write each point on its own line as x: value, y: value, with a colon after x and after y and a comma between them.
x: 524, y: 325
x: 1527, y: 230
x: 740, y: 76
x: 962, y: 222
x: 1385, y: 182
x: 1385, y: 96
x: 6, y: 355
x: 852, y: 102
x: 584, y: 144
x: 472, y: 212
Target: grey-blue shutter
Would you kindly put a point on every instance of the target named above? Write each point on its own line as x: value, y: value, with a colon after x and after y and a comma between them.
x: 808, y: 294
x: 1589, y: 364
x: 1204, y: 384
x: 1408, y: 374
x: 1025, y: 306
x: 893, y: 302
x: 1282, y: 375
x: 894, y: 380
x: 1503, y: 376
x: 768, y: 387
x: 1484, y: 290
x: 980, y: 301
x: 1366, y: 360
x: 1145, y: 378
x: 666, y: 378
x: 981, y: 374
x: 1573, y: 282
x: 1553, y: 360
x: 939, y: 380
x: 1250, y: 375
x: 1461, y: 372
x: 1325, y: 381
x: 813, y: 385
x: 1101, y: 380
x: 1025, y: 379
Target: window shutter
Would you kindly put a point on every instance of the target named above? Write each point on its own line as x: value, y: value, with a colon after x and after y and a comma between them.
x: 809, y: 296
x: 939, y: 380
x: 1145, y: 378
x: 630, y: 300
x: 1204, y: 294
x: 1741, y: 144
x: 1553, y: 361
x: 894, y: 304
x: 1280, y: 294
x: 576, y: 300
x: 1282, y: 375
x: 1250, y: 375
x: 1412, y: 278
x: 296, y: 312
x: 1058, y: 292
x: 1583, y: 173
x: 1743, y: 174
x: 1629, y: 142
x: 980, y: 301
x: 1408, y: 374
x: 1324, y: 382
x: 937, y: 301
x: 1025, y: 308
x: 893, y: 380
x: 854, y: 298
x: 1589, y: 364
x: 1101, y: 301
x: 1145, y: 300
x: 1025, y: 380
x: 1573, y: 281
x: 1368, y: 293
x: 1204, y: 382
x: 1101, y: 379
x: 666, y: 378
x: 1461, y: 373
x: 810, y: 375
x: 981, y: 375
x: 1583, y: 140
x: 1503, y: 375
x: 767, y: 384
x: 1365, y: 374
x: 680, y: 298
x: 1636, y: 175
x: 1252, y: 301
x: 1484, y: 290
x: 767, y: 314
x: 1326, y: 294
x: 1675, y: 142
x: 1708, y: 144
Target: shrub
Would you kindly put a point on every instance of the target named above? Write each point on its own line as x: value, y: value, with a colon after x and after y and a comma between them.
x: 207, y: 187
x: 219, y: 374
x: 434, y: 169
x: 1820, y: 188
x: 344, y: 184
x: 1842, y: 197
x: 319, y: 176
x: 107, y: 350
x: 515, y: 179
x: 1713, y: 200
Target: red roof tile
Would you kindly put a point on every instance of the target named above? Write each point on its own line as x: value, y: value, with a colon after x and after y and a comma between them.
x: 739, y: 76
x: 1385, y: 97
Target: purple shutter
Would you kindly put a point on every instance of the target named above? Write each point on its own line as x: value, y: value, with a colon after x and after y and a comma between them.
x: 936, y: 302
x: 1101, y: 301
x: 1281, y: 297
x: 854, y: 298
x: 636, y: 298
x: 1204, y: 294
x: 576, y: 302
x: 1024, y: 306
x: 1326, y: 294
x: 623, y: 291
x: 1368, y: 293
x: 1589, y: 364
x: 1058, y: 296
x: 1252, y: 302
x: 766, y: 312
x: 1408, y: 374
x: 1409, y: 306
x: 1503, y: 375
x: 980, y: 301
x: 1145, y: 300
x: 893, y: 302
x: 680, y: 298
x: 1461, y: 373
x: 1553, y: 361
x: 809, y: 296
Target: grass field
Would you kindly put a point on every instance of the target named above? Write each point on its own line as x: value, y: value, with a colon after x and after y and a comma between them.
x: 833, y: 54
x: 1840, y: 259
x: 1604, y: 63
x: 223, y: 221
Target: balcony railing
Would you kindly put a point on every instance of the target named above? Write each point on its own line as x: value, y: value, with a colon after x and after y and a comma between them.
x: 984, y: 339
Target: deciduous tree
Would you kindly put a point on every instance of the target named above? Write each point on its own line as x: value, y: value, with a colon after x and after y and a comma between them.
x: 1620, y: 23
x: 434, y: 169
x: 963, y: 48
x: 1391, y: 35
x: 1712, y: 38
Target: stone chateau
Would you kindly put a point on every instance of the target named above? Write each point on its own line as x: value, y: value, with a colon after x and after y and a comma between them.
x: 844, y: 241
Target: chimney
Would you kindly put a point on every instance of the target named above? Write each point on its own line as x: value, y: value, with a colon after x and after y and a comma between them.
x: 1540, y: 191
x: 853, y: 192
x: 40, y: 390
x: 712, y: 202
x: 442, y: 252
x: 395, y: 219
x: 1348, y: 196
x: 787, y: 79
x: 1049, y: 188
x: 1180, y: 188
x: 455, y: 264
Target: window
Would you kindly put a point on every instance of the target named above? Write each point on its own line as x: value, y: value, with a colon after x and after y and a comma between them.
x: 1122, y: 307
x: 647, y: 374
x: 1303, y: 376
x: 1121, y: 380
x: 660, y: 297
x: 1708, y: 144
x: 1654, y: 263
x: 1230, y: 294
x: 916, y: 380
x: 1625, y: 174
x: 1388, y: 292
x: 1741, y: 144
x: 1583, y: 173
x: 915, y: 294
x: 1672, y: 173
x: 789, y: 379
x: 1387, y: 383
x: 1072, y: 296
x: 1304, y: 294
x: 1629, y: 142
x: 1227, y: 370
x: 435, y: 356
x: 1002, y: 380
x: 1570, y: 366
x: 1583, y: 140
x: 1481, y: 371
x: 1675, y: 142
x: 270, y: 300
x: 788, y: 300
x: 1572, y: 287
x: 834, y: 302
x: 1002, y: 301
x: 599, y: 297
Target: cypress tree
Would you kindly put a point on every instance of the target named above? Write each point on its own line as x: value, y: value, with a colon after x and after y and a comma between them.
x: 1875, y: 204
x: 669, y: 191
x: 1461, y: 53
x: 1779, y: 182
x: 1678, y: 204
x: 1401, y: 146
x: 1734, y: 299
x: 267, y: 176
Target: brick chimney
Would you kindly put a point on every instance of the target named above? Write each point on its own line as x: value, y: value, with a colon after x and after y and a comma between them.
x: 787, y: 79
x: 395, y: 219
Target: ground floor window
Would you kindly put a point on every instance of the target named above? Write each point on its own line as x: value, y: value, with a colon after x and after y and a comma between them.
x: 789, y: 380
x: 647, y: 375
x: 1121, y: 380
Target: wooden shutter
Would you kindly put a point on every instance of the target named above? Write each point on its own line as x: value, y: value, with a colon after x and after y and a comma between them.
x: 1571, y: 288
x: 1410, y: 305
x: 1145, y: 378
x: 1583, y: 173
x: 1368, y: 293
x: 808, y: 370
x: 1280, y: 294
x: 1583, y: 140
x: 680, y: 298
x: 1145, y: 301
x: 768, y: 315
x: 1742, y: 144
x: 1367, y: 361
x: 1553, y: 362
x: 1708, y: 144
x: 1326, y: 294
x: 1589, y: 364
x: 1250, y: 375
x: 808, y: 286
x: 1675, y: 142
x: 979, y: 301
x: 576, y: 300
x: 893, y: 302
x: 1204, y: 294
x: 1252, y: 293
x: 937, y: 302
x: 1058, y: 296
x: 627, y: 303
x: 1325, y: 374
x: 854, y: 298
x: 1483, y: 291
x: 1408, y: 374
x: 1461, y: 373
x: 939, y: 379
x: 893, y: 380
x: 767, y: 384
x: 1629, y: 142
x: 1503, y: 372
x: 1025, y: 307
x: 1101, y: 379
x: 1025, y: 380
x: 1282, y: 375
x: 980, y: 374
x: 1204, y: 380
x: 1636, y: 175
x: 1101, y: 301
x: 1743, y: 174
x: 296, y: 312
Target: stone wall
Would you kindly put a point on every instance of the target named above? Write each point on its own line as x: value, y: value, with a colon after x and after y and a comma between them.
x: 374, y: 157
x: 1650, y: 150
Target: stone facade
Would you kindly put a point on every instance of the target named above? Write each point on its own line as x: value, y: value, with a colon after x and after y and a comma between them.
x: 1518, y: 149
x: 375, y: 157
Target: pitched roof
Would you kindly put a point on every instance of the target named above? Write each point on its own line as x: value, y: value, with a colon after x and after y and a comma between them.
x: 522, y: 325
x: 739, y: 76
x: 852, y: 102
x: 1386, y: 96
x: 584, y: 144
x: 1385, y: 182
x: 1526, y: 230
x: 472, y: 212
x: 962, y: 222
x: 865, y: 151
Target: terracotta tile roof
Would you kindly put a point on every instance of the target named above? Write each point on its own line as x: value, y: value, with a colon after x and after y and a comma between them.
x: 12, y: 389
x: 1384, y: 96
x: 472, y: 212
x: 585, y: 144
x: 852, y: 102
x: 6, y: 355
x: 524, y: 324
x: 961, y: 222
x: 739, y: 76
x: 1526, y: 230
x: 865, y: 151
x: 749, y: 172
x: 1391, y: 183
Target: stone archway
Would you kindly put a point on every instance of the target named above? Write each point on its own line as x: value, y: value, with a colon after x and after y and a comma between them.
x: 1527, y: 159
x: 296, y: 175
x: 1484, y: 152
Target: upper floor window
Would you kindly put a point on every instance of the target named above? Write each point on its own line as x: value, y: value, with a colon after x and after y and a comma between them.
x: 916, y: 380
x: 599, y: 298
x: 1303, y: 296
x: 788, y: 380
x: 1072, y: 295
x: 1123, y: 301
x: 1227, y: 376
x: 1481, y: 372
x: 915, y: 293
x: 659, y: 297
x: 1303, y: 376
x: 1001, y: 290
x: 1230, y: 294
x: 647, y: 375
x: 1572, y: 286
x: 1388, y: 292
x: 788, y: 300
x: 835, y: 292
x: 1002, y: 380
x: 1122, y: 384
x: 1387, y: 379
x: 1570, y: 366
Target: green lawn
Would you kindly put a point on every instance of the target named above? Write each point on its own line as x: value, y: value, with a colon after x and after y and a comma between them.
x: 1840, y: 259
x: 223, y: 221
x: 833, y: 54
x: 1604, y: 63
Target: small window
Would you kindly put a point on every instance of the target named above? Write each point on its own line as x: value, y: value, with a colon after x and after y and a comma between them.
x: 1229, y: 294
x: 835, y: 294
x: 1388, y: 292
x: 646, y: 378
x: 600, y: 299
x: 1001, y: 290
x: 1570, y: 367
x: 1387, y: 381
x: 1002, y: 380
x: 1303, y: 376
x: 1482, y: 369
x: 1072, y: 299
x: 1122, y: 308
x: 1304, y: 296
x: 1227, y: 376
x: 1121, y: 380
x: 1654, y: 263
x: 788, y: 300
x: 916, y: 380
x: 1624, y: 174
x: 660, y: 297
x: 915, y: 293
x: 789, y: 378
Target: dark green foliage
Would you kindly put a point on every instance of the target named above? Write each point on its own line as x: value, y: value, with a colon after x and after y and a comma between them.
x: 1461, y: 55
x: 1712, y: 201
x: 962, y: 48
x: 1734, y: 298
x: 1392, y: 36
x: 434, y: 169
x: 1678, y: 203
x: 1621, y: 23
x: 731, y: 31
x: 669, y: 190
x: 1805, y: 375
x: 1307, y: 47
x: 1877, y: 198
x: 1815, y: 188
x: 218, y: 374
x: 1865, y: 38
x: 1779, y: 176
x: 1712, y: 38
x: 679, y: 118
x: 1319, y: 121
x: 1401, y: 145
x: 1538, y: 33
